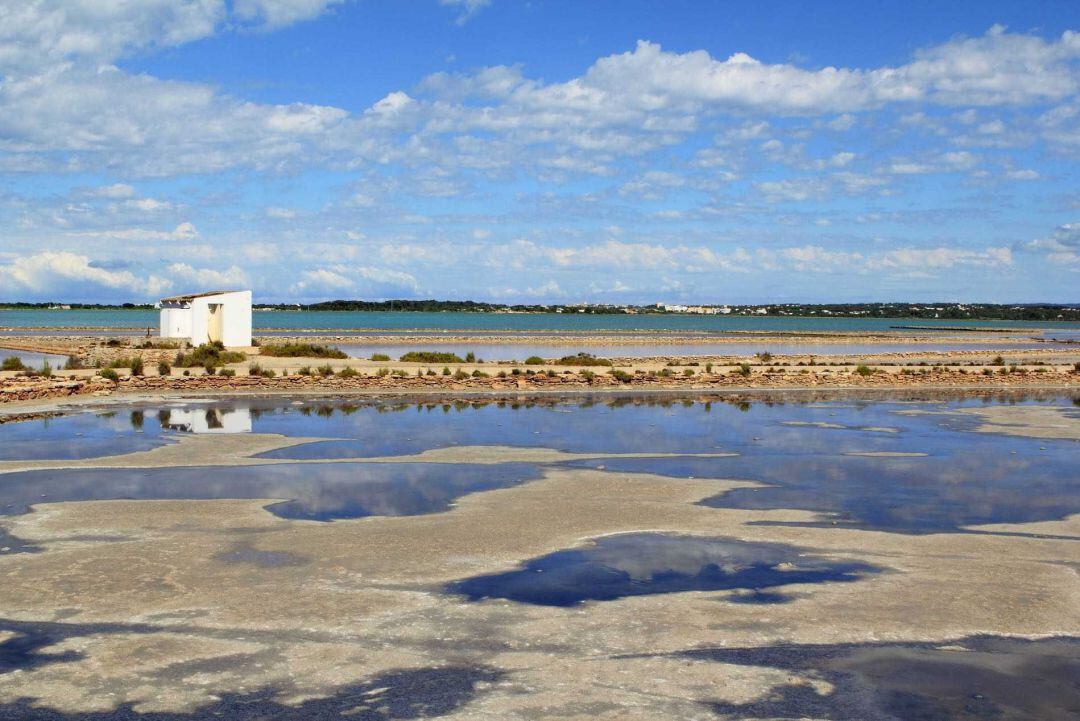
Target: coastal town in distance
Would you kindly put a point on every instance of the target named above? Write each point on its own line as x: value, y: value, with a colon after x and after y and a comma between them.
x: 506, y: 360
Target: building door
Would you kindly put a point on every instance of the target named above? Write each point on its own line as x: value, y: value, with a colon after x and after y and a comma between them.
x: 215, y: 323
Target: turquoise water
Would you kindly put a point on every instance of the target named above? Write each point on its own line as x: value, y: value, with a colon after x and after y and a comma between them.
x: 567, y: 322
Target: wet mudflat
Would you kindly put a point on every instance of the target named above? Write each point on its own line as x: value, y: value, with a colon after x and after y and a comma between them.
x: 840, y: 559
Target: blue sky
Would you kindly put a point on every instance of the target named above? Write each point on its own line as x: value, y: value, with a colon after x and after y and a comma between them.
x: 540, y: 151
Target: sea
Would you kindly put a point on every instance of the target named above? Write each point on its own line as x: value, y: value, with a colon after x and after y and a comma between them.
x: 14, y: 322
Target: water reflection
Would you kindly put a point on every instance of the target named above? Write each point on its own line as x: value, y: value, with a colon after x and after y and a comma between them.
x: 205, y: 420
x: 981, y: 677
x: 965, y: 478
x: 313, y: 492
x: 639, y: 564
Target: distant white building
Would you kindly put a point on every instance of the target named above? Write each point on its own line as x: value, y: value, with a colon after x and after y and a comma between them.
x: 223, y: 316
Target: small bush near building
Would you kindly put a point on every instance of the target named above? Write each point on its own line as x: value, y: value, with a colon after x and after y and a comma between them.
x: 163, y: 368
x: 428, y: 356
x: 302, y: 350
x: 257, y: 370
x: 583, y: 359
x: 135, y: 365
x: 207, y: 355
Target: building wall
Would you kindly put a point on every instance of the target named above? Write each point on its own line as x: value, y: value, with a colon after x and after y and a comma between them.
x: 175, y: 322
x: 193, y: 323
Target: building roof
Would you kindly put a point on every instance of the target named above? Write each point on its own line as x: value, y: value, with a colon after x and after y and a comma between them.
x: 192, y: 296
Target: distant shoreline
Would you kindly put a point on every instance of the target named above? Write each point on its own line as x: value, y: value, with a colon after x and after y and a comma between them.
x: 907, y: 311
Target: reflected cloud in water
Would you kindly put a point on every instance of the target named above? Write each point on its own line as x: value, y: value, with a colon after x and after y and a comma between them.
x: 640, y: 564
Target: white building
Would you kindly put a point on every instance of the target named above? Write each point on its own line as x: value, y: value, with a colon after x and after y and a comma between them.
x: 207, y: 317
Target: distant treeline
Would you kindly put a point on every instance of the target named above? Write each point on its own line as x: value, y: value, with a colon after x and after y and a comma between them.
x: 929, y: 311
x: 926, y: 311
x: 437, y: 306
x: 76, y: 306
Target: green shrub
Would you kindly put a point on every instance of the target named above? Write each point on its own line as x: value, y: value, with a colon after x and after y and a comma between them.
x: 73, y: 363
x: 764, y: 356
x: 428, y: 356
x: 744, y: 370
x: 470, y: 357
x: 382, y: 372
x: 302, y: 350
x: 380, y: 357
x: 583, y: 359
x: 304, y: 371
x: 998, y: 361
x: 534, y: 360
x: 864, y: 370
x: 347, y: 372
x: 208, y: 355
x: 12, y: 364
x: 227, y: 372
x: 254, y: 369
x: 708, y: 367
x: 688, y: 372
x: 621, y: 376
x: 46, y: 370
x: 325, y: 370
x: 163, y: 368
x: 587, y: 375
x: 135, y: 365
x: 550, y: 373
x: 460, y: 375
x: 110, y: 375
x: 445, y: 371
x: 209, y: 366
x: 666, y: 372
x: 480, y: 374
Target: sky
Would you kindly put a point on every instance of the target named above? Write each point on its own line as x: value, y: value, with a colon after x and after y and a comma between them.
x: 559, y: 151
